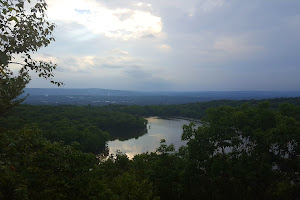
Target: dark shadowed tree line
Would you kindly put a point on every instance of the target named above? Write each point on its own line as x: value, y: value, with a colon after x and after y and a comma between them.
x: 90, y: 127
x: 247, y: 152
x: 193, y: 110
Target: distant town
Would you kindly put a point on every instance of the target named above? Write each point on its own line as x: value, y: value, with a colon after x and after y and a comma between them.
x: 95, y: 97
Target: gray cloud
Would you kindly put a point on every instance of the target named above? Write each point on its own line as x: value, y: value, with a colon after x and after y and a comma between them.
x: 209, y: 45
x: 111, y: 66
x: 138, y: 74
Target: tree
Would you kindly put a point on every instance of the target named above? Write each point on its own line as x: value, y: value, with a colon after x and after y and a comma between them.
x: 10, y: 89
x: 244, y: 153
x: 32, y: 167
x: 22, y: 32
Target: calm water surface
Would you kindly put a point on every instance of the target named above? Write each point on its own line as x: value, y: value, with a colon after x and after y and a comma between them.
x: 158, y: 128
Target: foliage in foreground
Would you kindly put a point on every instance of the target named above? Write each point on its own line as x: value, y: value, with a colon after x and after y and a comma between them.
x: 24, y: 29
x: 33, y: 168
x: 239, y: 153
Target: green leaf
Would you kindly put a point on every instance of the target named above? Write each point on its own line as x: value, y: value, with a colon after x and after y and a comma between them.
x: 3, y: 37
x: 13, y: 18
x: 2, y: 71
x: 11, y: 9
x: 3, y: 59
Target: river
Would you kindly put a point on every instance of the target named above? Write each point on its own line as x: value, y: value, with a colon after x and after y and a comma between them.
x: 158, y: 128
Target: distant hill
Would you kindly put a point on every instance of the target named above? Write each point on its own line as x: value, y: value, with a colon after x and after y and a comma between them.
x: 210, y: 95
x: 73, y: 91
x: 63, y: 96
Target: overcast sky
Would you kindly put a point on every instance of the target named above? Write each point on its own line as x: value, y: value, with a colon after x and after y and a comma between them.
x: 178, y: 45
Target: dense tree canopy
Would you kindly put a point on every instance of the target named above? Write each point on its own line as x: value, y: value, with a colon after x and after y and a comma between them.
x: 246, y: 152
x: 91, y: 127
x: 193, y: 110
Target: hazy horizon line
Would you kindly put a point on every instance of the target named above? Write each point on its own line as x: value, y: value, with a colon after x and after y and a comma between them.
x: 166, y: 90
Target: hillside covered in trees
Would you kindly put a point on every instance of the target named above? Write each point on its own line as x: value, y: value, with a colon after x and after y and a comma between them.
x: 192, y: 110
x: 90, y: 127
x: 241, y: 152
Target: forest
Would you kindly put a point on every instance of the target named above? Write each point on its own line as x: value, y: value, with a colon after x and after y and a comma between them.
x: 192, y: 110
x: 242, y: 151
x: 89, y: 127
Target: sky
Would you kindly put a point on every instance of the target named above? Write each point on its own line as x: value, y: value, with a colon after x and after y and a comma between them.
x: 178, y: 45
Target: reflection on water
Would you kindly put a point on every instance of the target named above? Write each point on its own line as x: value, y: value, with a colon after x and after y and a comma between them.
x: 157, y: 128
x: 126, y: 135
